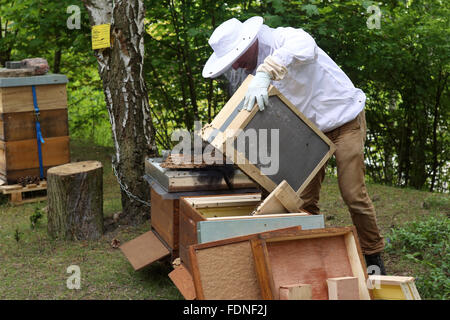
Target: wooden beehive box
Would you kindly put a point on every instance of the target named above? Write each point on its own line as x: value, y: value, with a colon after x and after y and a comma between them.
x: 259, y: 265
x: 18, y: 144
x: 212, y: 218
x: 301, y: 151
x: 163, y: 238
x: 173, y: 180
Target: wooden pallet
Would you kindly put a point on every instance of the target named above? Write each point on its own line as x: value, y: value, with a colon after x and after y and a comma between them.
x: 16, y: 192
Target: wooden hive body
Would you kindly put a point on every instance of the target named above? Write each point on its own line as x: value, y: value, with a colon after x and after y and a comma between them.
x: 164, y: 237
x: 18, y: 144
x: 213, y: 218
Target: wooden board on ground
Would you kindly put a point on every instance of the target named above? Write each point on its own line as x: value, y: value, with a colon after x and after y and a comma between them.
x: 182, y: 279
x: 225, y: 269
x: 312, y: 257
x: 196, y: 180
x: 144, y: 250
x: 302, y: 148
x: 393, y: 288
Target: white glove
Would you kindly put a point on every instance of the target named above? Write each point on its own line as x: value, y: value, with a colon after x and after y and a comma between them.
x: 257, y: 92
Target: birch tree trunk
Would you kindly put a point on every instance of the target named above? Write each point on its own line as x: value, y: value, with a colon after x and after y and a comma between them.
x: 121, y: 70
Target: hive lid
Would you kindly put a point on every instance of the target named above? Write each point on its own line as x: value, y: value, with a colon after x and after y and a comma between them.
x: 33, y: 81
x: 144, y: 250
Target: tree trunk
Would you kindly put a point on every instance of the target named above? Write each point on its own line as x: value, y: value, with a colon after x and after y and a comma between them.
x: 57, y: 61
x: 121, y: 70
x: 75, y: 201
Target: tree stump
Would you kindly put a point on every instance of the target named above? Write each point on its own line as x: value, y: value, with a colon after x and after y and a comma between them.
x: 75, y: 201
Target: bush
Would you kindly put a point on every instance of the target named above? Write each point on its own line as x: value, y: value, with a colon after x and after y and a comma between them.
x: 439, y: 202
x: 425, y: 245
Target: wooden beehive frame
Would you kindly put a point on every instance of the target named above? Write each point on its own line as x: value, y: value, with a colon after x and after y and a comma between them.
x: 230, y: 120
x: 405, y: 284
x: 282, y: 199
x: 242, y: 284
x: 264, y: 265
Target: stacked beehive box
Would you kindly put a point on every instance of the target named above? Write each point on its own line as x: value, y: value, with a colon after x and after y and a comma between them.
x: 19, y: 155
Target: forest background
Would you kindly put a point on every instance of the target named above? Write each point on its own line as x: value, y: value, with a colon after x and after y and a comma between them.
x: 396, y: 51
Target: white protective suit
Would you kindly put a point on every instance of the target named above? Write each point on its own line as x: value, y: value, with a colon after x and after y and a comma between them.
x: 313, y: 82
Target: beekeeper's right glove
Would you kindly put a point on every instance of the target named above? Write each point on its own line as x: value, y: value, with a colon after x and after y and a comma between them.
x: 257, y: 92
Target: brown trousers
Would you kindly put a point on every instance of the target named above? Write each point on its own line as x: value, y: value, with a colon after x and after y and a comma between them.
x: 349, y: 140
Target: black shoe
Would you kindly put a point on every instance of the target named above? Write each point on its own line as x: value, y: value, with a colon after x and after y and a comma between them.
x: 375, y: 259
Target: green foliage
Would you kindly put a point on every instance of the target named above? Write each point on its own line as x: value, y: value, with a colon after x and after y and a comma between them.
x: 438, y: 202
x: 88, y: 116
x: 403, y: 68
x: 17, y: 234
x: 35, y: 218
x: 176, y: 50
x: 39, y: 28
x: 425, y: 245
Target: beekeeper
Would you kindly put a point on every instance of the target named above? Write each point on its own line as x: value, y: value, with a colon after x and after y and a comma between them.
x: 290, y: 60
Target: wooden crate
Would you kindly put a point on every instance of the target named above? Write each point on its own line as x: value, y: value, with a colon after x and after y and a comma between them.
x: 163, y: 238
x: 20, y: 158
x: 256, y: 266
x: 165, y: 210
x: 310, y: 257
x: 211, y: 218
x: 18, y: 145
x: 20, y: 99
x: 195, y: 180
x: 165, y: 218
x: 21, y: 125
x: 303, y: 148
x: 226, y: 269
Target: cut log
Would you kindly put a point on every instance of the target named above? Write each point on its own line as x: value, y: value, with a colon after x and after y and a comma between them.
x: 75, y: 201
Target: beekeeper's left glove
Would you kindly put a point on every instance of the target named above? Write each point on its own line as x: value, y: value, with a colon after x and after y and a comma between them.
x: 257, y: 92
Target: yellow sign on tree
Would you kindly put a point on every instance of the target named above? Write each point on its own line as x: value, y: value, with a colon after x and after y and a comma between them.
x: 101, y: 36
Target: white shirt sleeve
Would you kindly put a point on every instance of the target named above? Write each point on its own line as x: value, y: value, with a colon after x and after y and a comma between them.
x: 293, y: 46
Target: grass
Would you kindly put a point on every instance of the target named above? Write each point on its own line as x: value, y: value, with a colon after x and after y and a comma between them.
x: 35, y: 267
